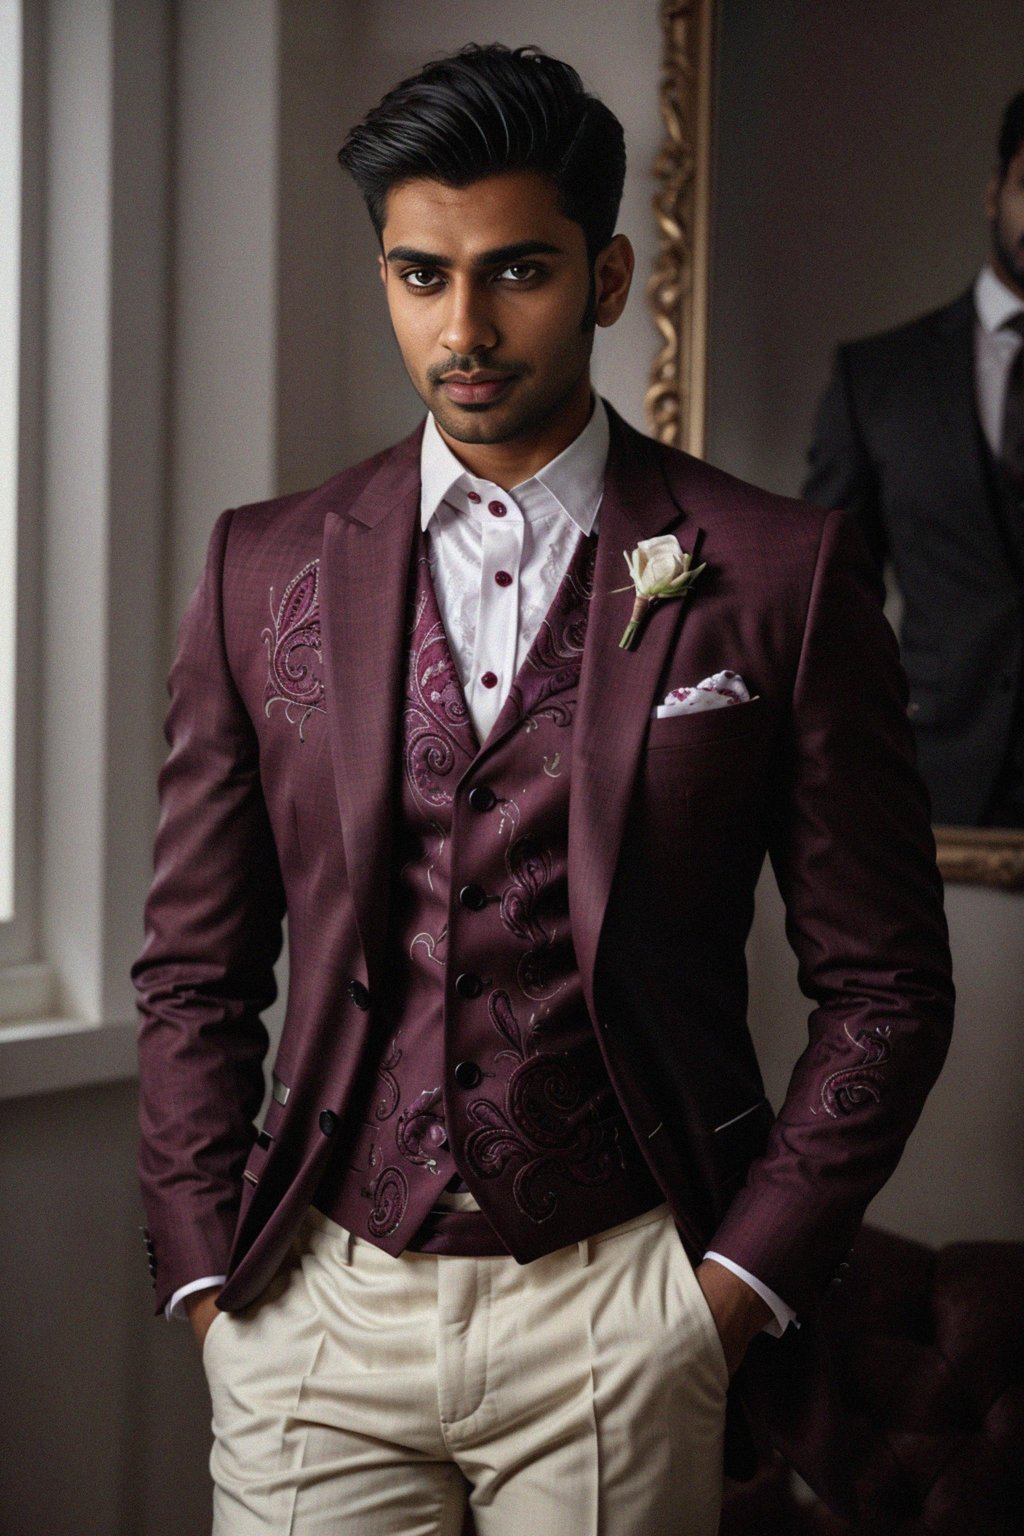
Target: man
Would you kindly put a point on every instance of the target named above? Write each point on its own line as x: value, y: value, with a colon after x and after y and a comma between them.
x: 921, y: 434
x: 518, y: 1206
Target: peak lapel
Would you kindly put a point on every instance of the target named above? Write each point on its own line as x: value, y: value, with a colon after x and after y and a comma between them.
x: 365, y: 573
x: 618, y: 689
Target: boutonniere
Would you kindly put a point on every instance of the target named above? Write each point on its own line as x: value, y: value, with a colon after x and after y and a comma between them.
x: 660, y: 570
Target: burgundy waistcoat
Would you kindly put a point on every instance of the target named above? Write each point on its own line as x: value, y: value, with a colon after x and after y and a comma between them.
x: 488, y: 1066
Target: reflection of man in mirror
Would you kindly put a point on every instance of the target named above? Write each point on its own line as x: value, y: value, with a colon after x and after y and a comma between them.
x: 921, y: 433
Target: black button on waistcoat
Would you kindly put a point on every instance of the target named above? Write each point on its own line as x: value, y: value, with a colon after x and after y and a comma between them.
x: 359, y: 995
x: 468, y: 985
x: 474, y: 897
x: 482, y: 798
x: 467, y: 1074
x: 328, y: 1122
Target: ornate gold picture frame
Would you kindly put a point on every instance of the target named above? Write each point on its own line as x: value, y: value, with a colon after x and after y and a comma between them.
x: 678, y: 293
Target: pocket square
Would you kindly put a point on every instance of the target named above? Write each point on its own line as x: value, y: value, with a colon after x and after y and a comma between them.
x: 715, y: 692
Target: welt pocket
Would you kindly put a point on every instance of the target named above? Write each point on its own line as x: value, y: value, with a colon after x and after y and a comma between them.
x: 741, y: 1136
x: 705, y: 727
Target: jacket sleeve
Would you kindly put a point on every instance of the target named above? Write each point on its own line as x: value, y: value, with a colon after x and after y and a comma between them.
x: 840, y: 471
x: 852, y: 848
x: 213, y: 933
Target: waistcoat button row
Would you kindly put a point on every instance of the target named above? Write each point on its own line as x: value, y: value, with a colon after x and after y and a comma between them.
x: 468, y: 985
x: 474, y: 897
x: 328, y: 1122
x: 481, y: 798
x: 467, y: 1074
x: 359, y: 995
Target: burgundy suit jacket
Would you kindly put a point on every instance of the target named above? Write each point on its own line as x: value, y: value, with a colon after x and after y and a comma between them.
x: 279, y: 795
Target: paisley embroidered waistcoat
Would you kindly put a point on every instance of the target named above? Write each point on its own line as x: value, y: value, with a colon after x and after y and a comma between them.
x: 488, y: 1066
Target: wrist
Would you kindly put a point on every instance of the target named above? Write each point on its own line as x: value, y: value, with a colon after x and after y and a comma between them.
x: 739, y: 1313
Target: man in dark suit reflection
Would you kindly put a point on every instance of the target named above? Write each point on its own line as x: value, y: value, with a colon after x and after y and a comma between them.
x: 921, y: 433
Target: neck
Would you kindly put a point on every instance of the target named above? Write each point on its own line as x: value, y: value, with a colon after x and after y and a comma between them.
x: 1006, y: 277
x: 508, y: 464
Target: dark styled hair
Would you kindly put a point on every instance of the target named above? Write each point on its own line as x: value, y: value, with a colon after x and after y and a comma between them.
x: 486, y: 110
x: 1011, y: 133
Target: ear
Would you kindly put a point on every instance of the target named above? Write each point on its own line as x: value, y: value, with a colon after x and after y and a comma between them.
x: 992, y: 190
x: 382, y: 269
x: 613, y: 274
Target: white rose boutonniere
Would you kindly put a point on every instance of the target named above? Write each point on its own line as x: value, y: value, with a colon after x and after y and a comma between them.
x: 659, y: 569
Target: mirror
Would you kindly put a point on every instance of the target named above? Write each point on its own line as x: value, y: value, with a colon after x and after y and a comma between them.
x: 822, y: 180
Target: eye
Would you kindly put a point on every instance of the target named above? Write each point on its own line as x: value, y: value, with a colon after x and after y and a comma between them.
x: 421, y: 279
x: 519, y: 272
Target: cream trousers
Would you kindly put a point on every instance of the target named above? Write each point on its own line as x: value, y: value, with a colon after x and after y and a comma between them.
x: 580, y: 1395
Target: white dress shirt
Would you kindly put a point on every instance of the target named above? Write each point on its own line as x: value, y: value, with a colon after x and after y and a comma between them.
x: 497, y: 559
x: 994, y: 351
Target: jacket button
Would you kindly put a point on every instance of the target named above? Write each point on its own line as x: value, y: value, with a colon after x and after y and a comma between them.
x: 468, y: 985
x: 467, y: 1074
x: 482, y: 798
x: 474, y: 897
x: 359, y: 995
x: 328, y: 1122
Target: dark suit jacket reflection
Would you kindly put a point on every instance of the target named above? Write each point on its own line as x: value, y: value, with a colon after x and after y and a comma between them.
x: 897, y: 441
x: 669, y: 823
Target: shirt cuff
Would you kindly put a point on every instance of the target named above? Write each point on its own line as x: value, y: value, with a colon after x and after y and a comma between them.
x: 175, y: 1309
x: 783, y: 1315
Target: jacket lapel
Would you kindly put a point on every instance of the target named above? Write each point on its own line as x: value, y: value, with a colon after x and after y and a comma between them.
x: 365, y: 566
x: 951, y: 366
x: 618, y: 688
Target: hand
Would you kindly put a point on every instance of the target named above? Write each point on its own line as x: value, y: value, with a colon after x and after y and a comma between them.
x: 201, y: 1307
x: 739, y: 1312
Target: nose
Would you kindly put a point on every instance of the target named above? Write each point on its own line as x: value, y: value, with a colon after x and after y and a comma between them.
x: 468, y: 323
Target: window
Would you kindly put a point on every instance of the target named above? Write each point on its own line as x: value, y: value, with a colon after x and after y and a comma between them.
x: 10, y: 308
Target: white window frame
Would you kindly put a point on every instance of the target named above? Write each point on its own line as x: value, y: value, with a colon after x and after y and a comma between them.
x: 91, y: 488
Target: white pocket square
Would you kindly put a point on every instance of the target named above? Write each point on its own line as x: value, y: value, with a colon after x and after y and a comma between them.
x: 716, y: 692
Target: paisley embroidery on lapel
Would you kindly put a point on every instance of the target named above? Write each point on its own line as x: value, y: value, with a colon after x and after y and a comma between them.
x: 846, y: 1090
x: 294, y: 650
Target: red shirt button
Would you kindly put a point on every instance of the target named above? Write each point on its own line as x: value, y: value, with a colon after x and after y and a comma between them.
x: 472, y: 496
x: 503, y: 578
x: 489, y: 680
x: 498, y: 508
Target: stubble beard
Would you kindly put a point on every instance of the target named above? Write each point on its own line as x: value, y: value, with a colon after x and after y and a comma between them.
x: 489, y: 424
x: 1009, y: 256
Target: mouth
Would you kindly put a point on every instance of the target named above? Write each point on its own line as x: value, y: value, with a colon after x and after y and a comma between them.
x: 478, y: 388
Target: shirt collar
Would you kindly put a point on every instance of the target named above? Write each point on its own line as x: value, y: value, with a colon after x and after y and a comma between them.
x: 994, y: 302
x: 572, y: 483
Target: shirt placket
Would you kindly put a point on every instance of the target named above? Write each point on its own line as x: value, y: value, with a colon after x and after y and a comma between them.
x: 494, y: 653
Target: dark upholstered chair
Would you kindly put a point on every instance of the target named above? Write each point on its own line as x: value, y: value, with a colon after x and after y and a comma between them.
x: 929, y: 1355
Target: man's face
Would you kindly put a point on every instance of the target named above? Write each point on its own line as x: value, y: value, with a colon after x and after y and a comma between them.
x: 488, y: 288
x: 1004, y: 205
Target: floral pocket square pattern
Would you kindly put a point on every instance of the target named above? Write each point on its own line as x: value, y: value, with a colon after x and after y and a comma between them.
x: 720, y: 691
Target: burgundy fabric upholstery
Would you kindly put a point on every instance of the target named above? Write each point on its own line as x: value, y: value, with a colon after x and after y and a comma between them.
x: 929, y: 1355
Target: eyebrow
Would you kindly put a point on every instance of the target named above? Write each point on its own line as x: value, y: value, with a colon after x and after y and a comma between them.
x: 501, y: 255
